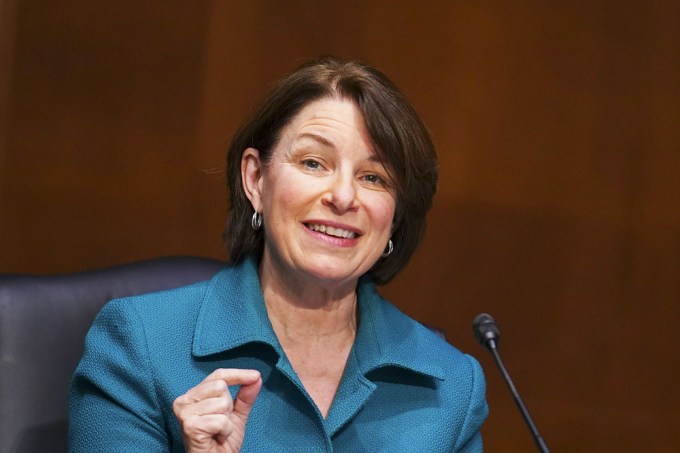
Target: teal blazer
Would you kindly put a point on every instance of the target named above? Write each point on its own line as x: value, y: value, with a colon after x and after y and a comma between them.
x: 404, y: 388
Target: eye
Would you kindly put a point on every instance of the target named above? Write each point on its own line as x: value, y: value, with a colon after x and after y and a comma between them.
x: 311, y: 164
x: 374, y: 179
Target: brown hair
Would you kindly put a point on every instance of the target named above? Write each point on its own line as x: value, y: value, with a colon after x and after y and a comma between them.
x: 402, y: 143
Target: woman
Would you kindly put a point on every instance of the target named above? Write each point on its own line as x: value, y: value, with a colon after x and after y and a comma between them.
x: 291, y: 348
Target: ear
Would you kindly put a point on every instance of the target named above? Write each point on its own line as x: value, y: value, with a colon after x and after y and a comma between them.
x: 251, y: 176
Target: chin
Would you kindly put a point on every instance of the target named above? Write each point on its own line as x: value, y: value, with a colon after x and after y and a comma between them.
x: 334, y: 270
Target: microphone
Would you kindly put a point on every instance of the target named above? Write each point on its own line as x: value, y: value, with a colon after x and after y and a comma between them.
x: 487, y: 333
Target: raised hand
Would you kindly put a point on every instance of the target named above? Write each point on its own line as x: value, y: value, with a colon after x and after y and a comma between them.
x: 211, y: 421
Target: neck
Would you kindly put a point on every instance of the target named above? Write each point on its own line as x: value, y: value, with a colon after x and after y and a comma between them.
x: 300, y: 310
x: 315, y: 323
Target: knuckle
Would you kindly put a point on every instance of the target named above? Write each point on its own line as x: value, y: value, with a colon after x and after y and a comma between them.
x: 227, y: 405
x: 220, y: 386
x: 191, y: 426
x: 222, y: 406
x: 178, y: 404
x: 219, y: 373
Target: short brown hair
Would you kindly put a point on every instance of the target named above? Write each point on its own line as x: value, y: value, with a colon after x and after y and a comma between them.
x: 402, y: 141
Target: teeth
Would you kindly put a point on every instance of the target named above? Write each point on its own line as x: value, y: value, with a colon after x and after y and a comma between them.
x: 329, y: 230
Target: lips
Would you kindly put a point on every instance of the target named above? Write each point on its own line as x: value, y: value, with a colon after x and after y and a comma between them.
x: 331, y: 231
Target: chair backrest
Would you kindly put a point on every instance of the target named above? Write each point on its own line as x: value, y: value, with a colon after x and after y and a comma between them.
x: 43, y: 322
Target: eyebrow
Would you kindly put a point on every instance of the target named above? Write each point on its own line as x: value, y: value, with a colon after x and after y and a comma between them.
x: 326, y: 142
x: 316, y: 137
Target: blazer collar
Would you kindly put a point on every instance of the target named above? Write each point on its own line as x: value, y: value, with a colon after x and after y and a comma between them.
x: 388, y: 338
x: 233, y: 313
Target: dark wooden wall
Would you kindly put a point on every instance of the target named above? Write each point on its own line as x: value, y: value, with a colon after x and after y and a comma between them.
x: 558, y: 129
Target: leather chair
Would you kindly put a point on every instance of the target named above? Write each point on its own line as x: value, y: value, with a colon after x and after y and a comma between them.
x: 43, y: 322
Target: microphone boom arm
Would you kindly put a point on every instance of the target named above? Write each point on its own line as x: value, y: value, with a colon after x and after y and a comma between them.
x: 487, y: 333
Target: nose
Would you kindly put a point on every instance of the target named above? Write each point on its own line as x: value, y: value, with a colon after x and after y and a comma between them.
x: 341, y: 195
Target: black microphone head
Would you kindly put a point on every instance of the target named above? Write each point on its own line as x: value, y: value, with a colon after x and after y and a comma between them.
x: 486, y: 331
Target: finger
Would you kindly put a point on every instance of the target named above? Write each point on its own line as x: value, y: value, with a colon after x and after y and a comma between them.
x: 233, y: 376
x: 208, y: 406
x: 215, y: 385
x: 245, y: 399
x: 201, y: 428
x: 204, y: 390
x: 230, y: 433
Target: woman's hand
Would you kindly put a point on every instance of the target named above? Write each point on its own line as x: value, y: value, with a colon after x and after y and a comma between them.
x: 211, y: 421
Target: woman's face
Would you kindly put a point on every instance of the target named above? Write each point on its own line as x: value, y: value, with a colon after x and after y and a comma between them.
x: 327, y: 201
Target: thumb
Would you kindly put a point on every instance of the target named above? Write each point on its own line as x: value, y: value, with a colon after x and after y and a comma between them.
x: 245, y: 399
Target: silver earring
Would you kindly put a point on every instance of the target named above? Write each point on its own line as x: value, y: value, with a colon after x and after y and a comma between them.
x: 388, y: 250
x: 256, y: 220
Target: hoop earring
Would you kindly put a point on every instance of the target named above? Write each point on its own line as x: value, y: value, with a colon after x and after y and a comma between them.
x: 388, y: 250
x: 256, y: 220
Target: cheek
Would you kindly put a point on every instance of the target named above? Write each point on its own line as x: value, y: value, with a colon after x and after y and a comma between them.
x: 381, y: 212
x: 284, y: 193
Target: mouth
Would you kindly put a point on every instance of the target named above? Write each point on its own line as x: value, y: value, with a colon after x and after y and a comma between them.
x: 331, y: 231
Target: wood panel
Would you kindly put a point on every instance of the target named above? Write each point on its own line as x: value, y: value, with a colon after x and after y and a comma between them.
x: 103, y: 108
x: 557, y: 209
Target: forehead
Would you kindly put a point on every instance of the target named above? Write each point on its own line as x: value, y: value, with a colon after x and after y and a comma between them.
x: 331, y: 119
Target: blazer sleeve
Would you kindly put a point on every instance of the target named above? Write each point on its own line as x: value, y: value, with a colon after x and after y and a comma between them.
x: 470, y: 440
x: 113, y: 403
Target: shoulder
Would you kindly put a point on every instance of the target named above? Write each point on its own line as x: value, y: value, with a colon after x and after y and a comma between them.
x: 455, y: 379
x: 461, y: 385
x: 158, y: 303
x: 420, y: 344
x: 147, y: 317
x: 134, y: 324
x: 403, y: 342
x: 163, y: 306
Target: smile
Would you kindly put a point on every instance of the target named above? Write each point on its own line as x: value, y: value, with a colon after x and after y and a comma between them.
x: 331, y: 231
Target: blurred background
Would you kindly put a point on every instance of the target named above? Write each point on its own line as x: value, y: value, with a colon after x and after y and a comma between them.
x: 558, y: 211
